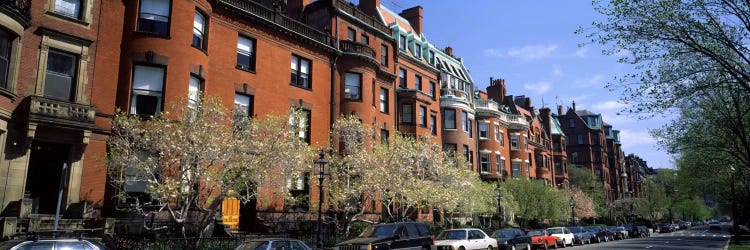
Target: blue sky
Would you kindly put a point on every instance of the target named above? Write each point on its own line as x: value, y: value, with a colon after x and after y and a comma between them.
x: 532, y: 45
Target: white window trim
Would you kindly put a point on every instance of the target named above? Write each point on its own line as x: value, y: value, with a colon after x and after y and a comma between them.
x: 86, y: 16
x: 12, y: 26
x: 81, y: 74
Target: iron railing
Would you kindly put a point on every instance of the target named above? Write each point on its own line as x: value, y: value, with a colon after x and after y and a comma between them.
x: 352, y: 10
x: 358, y: 48
x: 18, y: 9
x: 281, y: 20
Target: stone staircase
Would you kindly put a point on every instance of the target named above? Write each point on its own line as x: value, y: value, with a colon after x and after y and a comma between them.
x: 17, y: 219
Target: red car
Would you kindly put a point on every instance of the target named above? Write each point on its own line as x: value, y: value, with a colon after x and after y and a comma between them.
x: 540, y: 239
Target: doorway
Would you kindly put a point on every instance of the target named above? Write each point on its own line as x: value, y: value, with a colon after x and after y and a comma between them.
x: 44, y: 175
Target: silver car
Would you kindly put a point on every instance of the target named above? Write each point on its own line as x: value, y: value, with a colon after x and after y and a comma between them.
x: 273, y: 244
x: 68, y: 244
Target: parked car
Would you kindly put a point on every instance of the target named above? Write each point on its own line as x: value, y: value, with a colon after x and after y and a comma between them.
x: 273, y: 243
x: 56, y: 243
x: 665, y: 228
x: 642, y: 231
x: 582, y: 236
x: 566, y: 237
x: 675, y: 226
x: 464, y: 239
x: 623, y: 232
x: 616, y: 234
x: 512, y: 239
x: 601, y: 234
x: 398, y: 235
x: 541, y: 239
x: 684, y: 224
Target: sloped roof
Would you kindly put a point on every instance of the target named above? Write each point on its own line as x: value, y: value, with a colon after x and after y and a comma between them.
x: 585, y: 113
x: 556, y: 128
x: 389, y: 17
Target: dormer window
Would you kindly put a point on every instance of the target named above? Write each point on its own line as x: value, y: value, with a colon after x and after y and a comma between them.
x: 417, y: 50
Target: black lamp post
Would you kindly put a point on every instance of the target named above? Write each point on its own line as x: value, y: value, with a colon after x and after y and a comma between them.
x: 572, y: 210
x: 321, y: 163
x: 499, y: 194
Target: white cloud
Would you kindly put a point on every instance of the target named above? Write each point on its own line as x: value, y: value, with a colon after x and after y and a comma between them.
x: 493, y: 53
x: 632, y: 138
x: 582, y: 52
x: 557, y: 71
x: 610, y: 105
x: 533, y: 52
x: 594, y: 80
x: 539, y: 88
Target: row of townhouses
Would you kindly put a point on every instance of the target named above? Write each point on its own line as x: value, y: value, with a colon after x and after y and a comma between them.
x: 67, y: 65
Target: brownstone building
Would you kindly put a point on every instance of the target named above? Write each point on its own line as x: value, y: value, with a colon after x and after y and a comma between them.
x: 56, y: 99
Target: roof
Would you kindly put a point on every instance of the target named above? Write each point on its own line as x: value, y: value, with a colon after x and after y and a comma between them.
x: 585, y: 113
x: 606, y: 124
x: 556, y: 129
x: 390, y: 17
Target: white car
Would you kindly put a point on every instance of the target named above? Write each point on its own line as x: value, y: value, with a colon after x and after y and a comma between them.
x: 464, y: 239
x: 566, y: 236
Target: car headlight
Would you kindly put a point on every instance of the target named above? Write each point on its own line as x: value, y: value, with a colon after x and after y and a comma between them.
x: 365, y: 247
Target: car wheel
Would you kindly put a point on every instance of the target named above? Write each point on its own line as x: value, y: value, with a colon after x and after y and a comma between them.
x: 528, y: 246
x: 572, y: 243
x: 461, y: 248
x: 490, y: 247
x: 546, y: 247
x: 512, y: 247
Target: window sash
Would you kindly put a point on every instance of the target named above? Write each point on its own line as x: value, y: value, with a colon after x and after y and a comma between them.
x: 60, y: 81
x: 383, y: 100
x: 402, y: 78
x: 465, y: 121
x: 194, y: 90
x: 422, y: 115
x: 241, y: 104
x: 71, y: 8
x: 155, y: 7
x: 353, y: 86
x: 147, y: 82
x: 433, y: 124
x: 418, y: 82
x: 402, y: 42
x: 148, y: 78
x: 383, y: 54
x: 450, y: 119
x: 407, y: 113
x: 484, y: 160
x: 484, y: 130
x: 199, y: 23
x: 245, y: 53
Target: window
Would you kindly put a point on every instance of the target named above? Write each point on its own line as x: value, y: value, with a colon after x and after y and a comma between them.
x: 418, y: 82
x: 417, y: 50
x: 558, y: 168
x: 402, y: 78
x: 528, y: 169
x: 384, y: 54
x: 364, y: 39
x: 154, y: 17
x: 199, y: 31
x: 69, y: 8
x: 353, y: 86
x: 449, y: 119
x: 432, y: 89
x: 6, y: 47
x: 471, y: 127
x: 499, y: 164
x: 465, y: 121
x: 351, y: 34
x: 243, y: 106
x: 595, y: 139
x: 449, y: 147
x: 383, y: 136
x: 502, y: 139
x: 301, y: 124
x: 433, y: 124
x: 148, y: 83
x: 597, y: 157
x: 514, y: 141
x: 526, y: 142
x: 484, y: 130
x: 298, y: 187
x: 598, y: 173
x: 301, y: 72
x: 423, y: 116
x: 556, y: 146
x: 466, y: 154
x: 60, y: 80
x: 402, y: 42
x: 245, y: 53
x: 571, y: 123
x: 484, y: 162
x: 497, y: 132
x: 574, y: 157
x: 580, y: 139
x: 407, y: 113
x: 515, y: 169
x: 383, y: 100
x: 195, y: 87
x: 432, y: 57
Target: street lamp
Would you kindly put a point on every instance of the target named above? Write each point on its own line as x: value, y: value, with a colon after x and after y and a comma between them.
x: 572, y: 210
x: 499, y: 194
x: 321, y: 163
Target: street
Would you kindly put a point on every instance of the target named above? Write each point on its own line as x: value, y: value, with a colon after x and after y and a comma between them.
x: 693, y: 238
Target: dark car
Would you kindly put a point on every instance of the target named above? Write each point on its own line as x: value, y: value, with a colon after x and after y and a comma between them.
x: 582, y: 236
x: 665, y: 228
x: 641, y: 231
x: 601, y: 235
x: 273, y: 243
x: 618, y: 232
x: 59, y: 243
x: 400, y: 235
x: 512, y: 239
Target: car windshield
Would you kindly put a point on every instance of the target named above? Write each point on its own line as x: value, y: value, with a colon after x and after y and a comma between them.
x: 253, y: 245
x: 379, y: 231
x: 621, y: 228
x: 555, y: 230
x: 503, y: 234
x: 452, y: 235
x: 593, y: 229
x: 535, y: 233
x: 575, y: 229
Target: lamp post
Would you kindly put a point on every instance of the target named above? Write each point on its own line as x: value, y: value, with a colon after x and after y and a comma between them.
x: 499, y: 194
x: 321, y: 163
x: 572, y: 210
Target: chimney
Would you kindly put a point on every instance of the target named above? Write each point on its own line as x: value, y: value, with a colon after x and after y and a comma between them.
x: 496, y: 90
x: 448, y: 50
x: 369, y: 6
x: 414, y: 16
x: 559, y: 109
x: 294, y: 8
x: 545, y: 115
x: 574, y: 105
x: 527, y: 102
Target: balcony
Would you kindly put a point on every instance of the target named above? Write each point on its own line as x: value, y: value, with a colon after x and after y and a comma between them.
x: 280, y: 20
x: 352, y: 10
x: 42, y: 109
x: 20, y: 10
x: 486, y: 104
x: 357, y: 49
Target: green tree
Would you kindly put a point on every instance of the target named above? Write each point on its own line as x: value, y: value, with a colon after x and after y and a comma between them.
x: 537, y: 201
x: 651, y: 201
x: 584, y: 179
